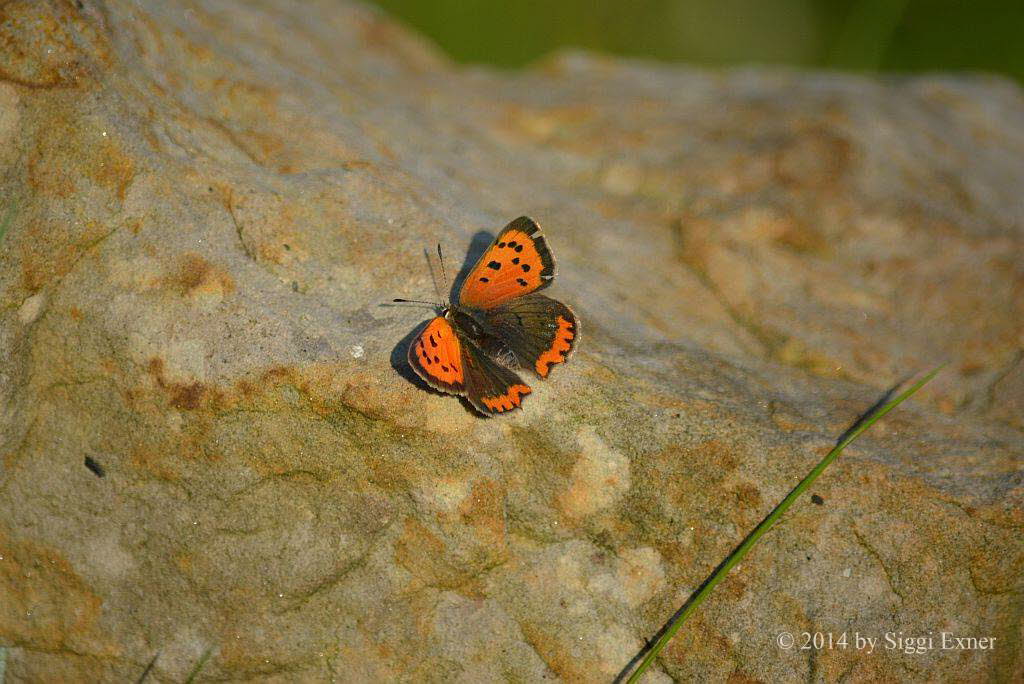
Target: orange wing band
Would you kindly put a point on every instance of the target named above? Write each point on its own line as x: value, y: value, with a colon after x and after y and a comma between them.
x: 559, y: 350
x: 508, y: 401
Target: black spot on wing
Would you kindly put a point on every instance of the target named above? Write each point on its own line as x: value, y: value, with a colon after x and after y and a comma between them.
x: 494, y: 264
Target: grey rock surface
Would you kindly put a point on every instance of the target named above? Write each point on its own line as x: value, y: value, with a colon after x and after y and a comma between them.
x: 209, y: 202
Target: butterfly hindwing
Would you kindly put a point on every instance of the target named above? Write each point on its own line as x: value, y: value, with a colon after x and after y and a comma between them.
x: 490, y: 388
x: 436, y: 355
x: 517, y: 263
x: 533, y: 332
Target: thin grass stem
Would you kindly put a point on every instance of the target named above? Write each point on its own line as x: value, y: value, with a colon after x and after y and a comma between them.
x: 199, y: 666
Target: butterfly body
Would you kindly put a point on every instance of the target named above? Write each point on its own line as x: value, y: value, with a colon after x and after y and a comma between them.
x: 470, y: 323
x: 498, y: 325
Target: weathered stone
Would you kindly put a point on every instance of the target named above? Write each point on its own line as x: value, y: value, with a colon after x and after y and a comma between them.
x: 212, y: 200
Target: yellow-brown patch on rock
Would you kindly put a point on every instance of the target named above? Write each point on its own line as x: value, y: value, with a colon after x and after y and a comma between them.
x: 187, y: 395
x: 484, y: 512
x: 599, y: 479
x: 814, y: 158
x: 40, y: 44
x: 48, y: 250
x: 423, y: 554
x: 77, y: 148
x: 46, y: 605
x: 196, y: 278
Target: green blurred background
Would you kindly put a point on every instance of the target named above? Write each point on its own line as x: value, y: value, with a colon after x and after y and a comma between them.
x: 864, y: 35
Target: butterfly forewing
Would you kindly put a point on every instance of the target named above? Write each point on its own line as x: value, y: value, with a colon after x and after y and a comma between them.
x: 517, y: 263
x: 536, y: 331
x: 436, y: 356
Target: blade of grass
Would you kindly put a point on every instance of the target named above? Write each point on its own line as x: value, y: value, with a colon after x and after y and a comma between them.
x: 869, y: 419
x: 199, y: 666
x: 145, y: 673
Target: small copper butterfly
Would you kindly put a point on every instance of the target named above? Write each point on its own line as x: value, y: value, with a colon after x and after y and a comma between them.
x: 498, y: 323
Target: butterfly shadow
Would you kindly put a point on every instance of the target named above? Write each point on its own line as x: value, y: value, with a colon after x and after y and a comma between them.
x: 477, y: 246
x: 400, y: 353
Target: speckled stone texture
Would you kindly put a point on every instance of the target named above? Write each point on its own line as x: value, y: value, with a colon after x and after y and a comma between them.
x: 210, y: 202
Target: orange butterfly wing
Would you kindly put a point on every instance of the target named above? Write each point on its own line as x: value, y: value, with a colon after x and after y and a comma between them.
x: 436, y: 356
x: 518, y: 262
x: 448, y: 362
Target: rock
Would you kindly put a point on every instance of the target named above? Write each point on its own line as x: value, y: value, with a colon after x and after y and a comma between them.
x: 210, y: 202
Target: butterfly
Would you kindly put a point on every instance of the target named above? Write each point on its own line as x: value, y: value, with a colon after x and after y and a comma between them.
x: 498, y: 323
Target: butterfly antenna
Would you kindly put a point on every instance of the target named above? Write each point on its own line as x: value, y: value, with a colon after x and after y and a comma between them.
x: 433, y: 277
x: 413, y: 301
x: 444, y: 275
